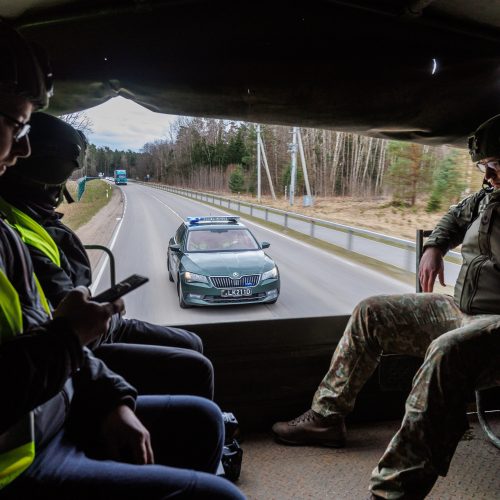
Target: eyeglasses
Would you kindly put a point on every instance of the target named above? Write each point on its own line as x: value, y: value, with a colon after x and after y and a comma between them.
x: 22, y: 129
x: 494, y: 165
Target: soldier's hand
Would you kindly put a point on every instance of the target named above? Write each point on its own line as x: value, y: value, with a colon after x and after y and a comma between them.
x: 88, y: 319
x: 431, y: 266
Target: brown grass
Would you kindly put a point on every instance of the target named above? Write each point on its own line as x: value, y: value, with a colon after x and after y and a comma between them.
x: 376, y: 214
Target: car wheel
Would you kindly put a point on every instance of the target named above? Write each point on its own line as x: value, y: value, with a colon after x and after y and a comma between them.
x: 182, y: 302
x: 170, y: 277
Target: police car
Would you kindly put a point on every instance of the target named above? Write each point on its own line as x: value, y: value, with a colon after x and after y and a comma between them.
x: 217, y: 261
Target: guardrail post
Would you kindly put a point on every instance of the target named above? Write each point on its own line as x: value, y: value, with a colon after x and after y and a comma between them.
x: 239, y: 206
x: 312, y: 228
x: 286, y: 220
x: 409, y: 253
x: 251, y: 209
x: 349, y: 239
x: 267, y: 214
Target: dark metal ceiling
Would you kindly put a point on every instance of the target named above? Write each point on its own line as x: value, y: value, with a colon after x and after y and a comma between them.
x: 359, y: 66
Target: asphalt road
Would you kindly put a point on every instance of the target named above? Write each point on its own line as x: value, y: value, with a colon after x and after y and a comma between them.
x: 313, y: 281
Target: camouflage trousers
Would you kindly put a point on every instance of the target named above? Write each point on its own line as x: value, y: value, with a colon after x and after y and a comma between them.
x: 461, y: 353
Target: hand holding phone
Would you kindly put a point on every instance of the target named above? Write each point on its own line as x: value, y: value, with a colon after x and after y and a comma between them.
x: 121, y: 288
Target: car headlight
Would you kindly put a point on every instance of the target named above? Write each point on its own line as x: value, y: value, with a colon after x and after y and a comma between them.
x: 194, y: 278
x: 273, y: 273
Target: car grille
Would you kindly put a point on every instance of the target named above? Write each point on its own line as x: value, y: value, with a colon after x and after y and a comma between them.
x: 228, y: 282
x: 214, y: 299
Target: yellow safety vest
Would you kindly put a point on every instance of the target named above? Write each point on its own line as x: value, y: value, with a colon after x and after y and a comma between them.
x: 17, y: 444
x: 35, y: 235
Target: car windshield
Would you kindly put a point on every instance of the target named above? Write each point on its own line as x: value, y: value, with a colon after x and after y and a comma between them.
x: 219, y: 240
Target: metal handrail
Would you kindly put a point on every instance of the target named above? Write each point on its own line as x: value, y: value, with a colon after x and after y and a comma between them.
x: 112, y: 266
x: 494, y: 439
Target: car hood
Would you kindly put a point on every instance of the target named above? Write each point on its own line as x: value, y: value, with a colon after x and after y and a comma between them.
x: 225, y: 263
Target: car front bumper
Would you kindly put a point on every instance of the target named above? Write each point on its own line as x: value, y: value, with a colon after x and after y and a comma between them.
x: 200, y: 294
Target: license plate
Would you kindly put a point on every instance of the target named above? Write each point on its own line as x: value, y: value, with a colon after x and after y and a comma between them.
x: 236, y: 292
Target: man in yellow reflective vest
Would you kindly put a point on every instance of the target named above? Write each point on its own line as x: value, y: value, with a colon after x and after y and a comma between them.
x: 29, y: 195
x: 69, y: 427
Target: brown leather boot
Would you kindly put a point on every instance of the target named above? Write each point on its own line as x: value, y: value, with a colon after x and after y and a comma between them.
x: 312, y: 428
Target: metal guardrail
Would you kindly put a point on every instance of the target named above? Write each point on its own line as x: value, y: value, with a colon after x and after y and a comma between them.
x: 362, y: 241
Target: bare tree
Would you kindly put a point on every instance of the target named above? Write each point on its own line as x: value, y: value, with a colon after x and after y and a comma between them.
x: 79, y: 120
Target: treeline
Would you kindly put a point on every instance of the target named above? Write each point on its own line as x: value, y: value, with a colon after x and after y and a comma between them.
x: 220, y: 155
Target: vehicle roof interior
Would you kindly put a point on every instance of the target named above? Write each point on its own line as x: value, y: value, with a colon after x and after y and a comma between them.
x: 358, y: 66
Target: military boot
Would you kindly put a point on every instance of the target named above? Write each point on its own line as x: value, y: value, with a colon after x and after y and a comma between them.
x: 312, y: 428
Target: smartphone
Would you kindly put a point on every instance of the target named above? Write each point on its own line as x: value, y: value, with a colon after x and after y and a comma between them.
x: 120, y: 289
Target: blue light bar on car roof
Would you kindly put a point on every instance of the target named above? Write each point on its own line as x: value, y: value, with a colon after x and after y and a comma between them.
x: 222, y: 218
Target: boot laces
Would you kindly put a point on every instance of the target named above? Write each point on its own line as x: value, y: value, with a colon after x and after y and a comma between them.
x: 305, y: 417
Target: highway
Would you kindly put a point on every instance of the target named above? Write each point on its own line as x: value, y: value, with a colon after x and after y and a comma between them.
x: 313, y: 281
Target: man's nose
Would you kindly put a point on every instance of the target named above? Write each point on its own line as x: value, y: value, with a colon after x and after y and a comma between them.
x: 22, y: 148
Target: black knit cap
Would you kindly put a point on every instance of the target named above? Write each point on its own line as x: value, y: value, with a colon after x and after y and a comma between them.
x: 57, y: 149
x: 485, y: 143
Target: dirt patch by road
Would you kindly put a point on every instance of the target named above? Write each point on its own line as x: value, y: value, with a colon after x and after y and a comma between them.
x: 100, y: 229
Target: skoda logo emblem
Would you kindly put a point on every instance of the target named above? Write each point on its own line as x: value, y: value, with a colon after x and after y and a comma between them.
x: 236, y: 275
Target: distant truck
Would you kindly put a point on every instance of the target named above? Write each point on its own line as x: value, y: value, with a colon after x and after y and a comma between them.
x: 121, y: 177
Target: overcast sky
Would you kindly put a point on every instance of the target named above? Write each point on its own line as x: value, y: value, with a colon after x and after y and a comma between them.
x: 122, y: 124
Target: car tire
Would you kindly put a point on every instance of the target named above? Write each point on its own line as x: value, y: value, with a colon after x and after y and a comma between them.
x: 182, y: 302
x: 170, y: 277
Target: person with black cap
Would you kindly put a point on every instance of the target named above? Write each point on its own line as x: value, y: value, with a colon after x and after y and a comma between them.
x: 34, y: 189
x: 70, y: 427
x: 458, y: 337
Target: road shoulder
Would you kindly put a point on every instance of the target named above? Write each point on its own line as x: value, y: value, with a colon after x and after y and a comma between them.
x: 100, y: 229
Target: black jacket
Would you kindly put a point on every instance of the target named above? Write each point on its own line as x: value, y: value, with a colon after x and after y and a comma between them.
x: 40, y: 369
x: 75, y: 266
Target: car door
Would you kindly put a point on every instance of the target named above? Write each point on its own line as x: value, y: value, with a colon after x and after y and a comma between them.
x: 175, y: 257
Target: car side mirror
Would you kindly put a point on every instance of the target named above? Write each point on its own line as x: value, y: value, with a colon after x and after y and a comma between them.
x: 175, y: 248
x: 265, y: 244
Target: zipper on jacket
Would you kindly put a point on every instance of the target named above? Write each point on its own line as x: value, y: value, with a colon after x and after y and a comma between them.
x: 476, y: 279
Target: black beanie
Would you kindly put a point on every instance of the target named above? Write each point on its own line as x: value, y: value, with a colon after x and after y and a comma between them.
x: 57, y: 149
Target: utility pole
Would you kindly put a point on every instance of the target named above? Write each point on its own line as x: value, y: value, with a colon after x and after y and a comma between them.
x: 261, y: 153
x: 258, y: 164
x: 304, y: 167
x: 293, y: 173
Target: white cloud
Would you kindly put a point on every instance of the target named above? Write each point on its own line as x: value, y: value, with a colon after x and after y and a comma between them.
x: 122, y: 124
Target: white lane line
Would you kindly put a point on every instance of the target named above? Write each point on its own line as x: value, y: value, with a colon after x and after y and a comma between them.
x: 171, y: 209
x: 95, y: 283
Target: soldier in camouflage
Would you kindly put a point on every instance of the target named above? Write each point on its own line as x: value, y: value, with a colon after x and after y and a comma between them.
x: 458, y: 337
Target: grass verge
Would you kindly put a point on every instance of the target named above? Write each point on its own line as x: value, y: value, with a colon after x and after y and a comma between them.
x: 97, y: 195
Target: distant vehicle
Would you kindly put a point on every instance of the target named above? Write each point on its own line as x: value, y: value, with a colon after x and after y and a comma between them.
x: 120, y: 177
x: 217, y: 261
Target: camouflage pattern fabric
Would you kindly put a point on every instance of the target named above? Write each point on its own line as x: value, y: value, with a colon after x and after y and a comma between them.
x: 461, y: 352
x: 390, y: 324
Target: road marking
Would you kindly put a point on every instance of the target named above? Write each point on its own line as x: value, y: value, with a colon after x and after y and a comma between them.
x: 171, y: 209
x: 95, y: 283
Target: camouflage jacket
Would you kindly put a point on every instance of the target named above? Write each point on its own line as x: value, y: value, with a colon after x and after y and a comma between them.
x: 474, y: 223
